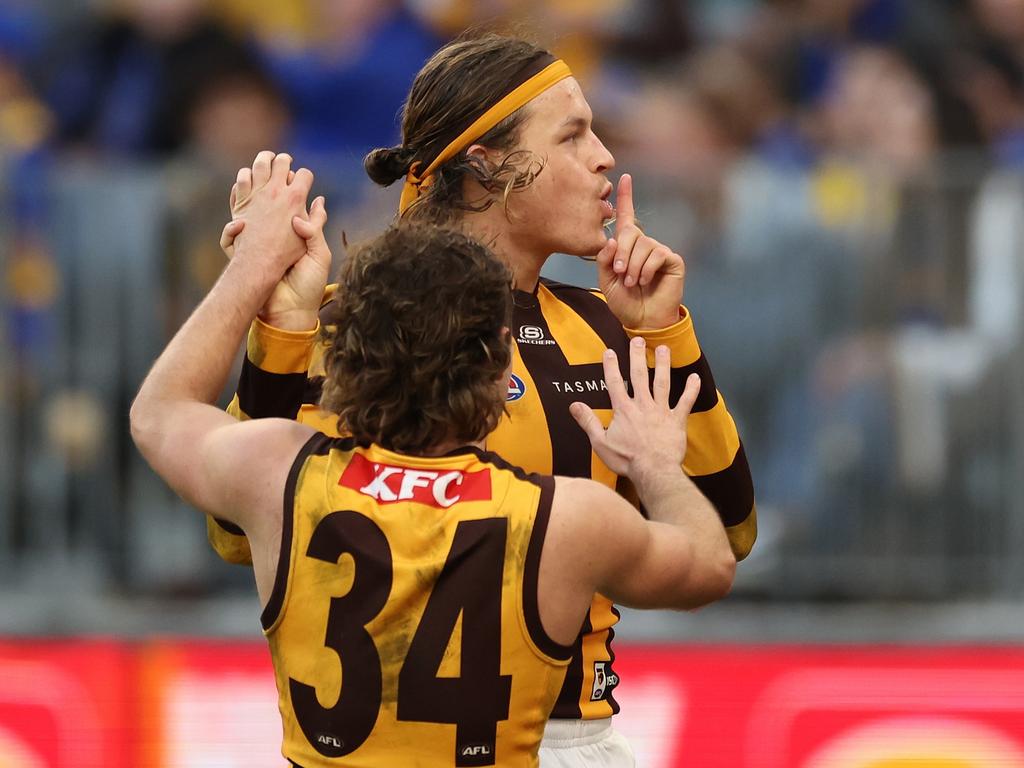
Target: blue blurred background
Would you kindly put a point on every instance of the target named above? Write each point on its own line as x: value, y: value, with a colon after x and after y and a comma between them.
x: 845, y: 179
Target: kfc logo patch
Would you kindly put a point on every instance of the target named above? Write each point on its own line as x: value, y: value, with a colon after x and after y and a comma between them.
x: 389, y: 484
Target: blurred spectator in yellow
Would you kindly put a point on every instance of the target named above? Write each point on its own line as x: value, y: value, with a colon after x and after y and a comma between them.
x: 578, y: 29
x: 30, y: 279
x: 275, y: 23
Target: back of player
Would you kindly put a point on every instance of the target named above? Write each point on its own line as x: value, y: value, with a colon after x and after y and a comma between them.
x: 403, y: 619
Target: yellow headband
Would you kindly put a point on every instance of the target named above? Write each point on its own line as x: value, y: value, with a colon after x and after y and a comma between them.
x: 529, y: 90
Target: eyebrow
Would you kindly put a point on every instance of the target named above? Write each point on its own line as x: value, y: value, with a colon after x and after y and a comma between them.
x: 574, y: 121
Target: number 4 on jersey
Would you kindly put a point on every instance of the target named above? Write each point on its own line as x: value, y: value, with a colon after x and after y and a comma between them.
x: 478, y: 698
x: 469, y: 585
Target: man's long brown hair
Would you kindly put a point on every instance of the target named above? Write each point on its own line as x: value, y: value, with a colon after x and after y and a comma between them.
x: 417, y: 341
x: 458, y: 82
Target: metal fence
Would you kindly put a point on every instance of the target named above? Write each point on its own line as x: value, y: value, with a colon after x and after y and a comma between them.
x: 865, y: 332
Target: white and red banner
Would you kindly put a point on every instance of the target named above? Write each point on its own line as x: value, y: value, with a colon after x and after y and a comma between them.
x: 203, y: 704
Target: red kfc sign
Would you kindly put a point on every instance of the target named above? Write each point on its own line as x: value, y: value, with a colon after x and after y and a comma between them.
x: 387, y: 483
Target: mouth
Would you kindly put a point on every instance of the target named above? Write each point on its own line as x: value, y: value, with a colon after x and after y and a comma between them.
x: 606, y: 207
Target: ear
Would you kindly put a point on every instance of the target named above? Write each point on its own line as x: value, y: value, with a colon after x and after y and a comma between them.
x: 481, y: 152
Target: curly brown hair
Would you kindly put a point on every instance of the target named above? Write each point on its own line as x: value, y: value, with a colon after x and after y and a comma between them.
x: 417, y: 340
x: 452, y: 88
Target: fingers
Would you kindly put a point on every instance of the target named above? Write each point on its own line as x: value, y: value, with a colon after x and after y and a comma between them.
x: 689, y: 396
x: 613, y: 379
x: 309, y: 228
x: 635, y: 259
x: 588, y: 422
x: 624, y: 247
x: 291, y: 176
x: 242, y: 188
x: 318, y: 212
x: 302, y: 180
x: 280, y: 166
x: 604, y: 256
x: 261, y: 168
x: 227, y: 236
x: 655, y: 261
x: 625, y: 217
x: 638, y: 370
x: 662, y: 375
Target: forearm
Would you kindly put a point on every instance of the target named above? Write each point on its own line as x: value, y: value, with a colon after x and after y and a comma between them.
x: 195, y: 365
x: 670, y: 497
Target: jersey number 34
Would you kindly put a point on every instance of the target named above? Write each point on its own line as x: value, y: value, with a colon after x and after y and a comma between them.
x: 470, y: 584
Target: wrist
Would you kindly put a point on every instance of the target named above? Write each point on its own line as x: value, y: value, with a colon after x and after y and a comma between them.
x: 661, y: 321
x: 653, y: 479
x: 296, y: 320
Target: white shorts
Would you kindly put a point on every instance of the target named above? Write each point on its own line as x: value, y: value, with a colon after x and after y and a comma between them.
x: 584, y: 744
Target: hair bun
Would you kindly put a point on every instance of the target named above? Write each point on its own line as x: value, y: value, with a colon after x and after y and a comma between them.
x: 385, y: 166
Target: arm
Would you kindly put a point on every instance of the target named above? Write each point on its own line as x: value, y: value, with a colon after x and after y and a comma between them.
x: 204, y: 454
x: 642, y: 281
x: 677, y: 559
x: 280, y: 347
x: 715, y: 458
x: 680, y: 557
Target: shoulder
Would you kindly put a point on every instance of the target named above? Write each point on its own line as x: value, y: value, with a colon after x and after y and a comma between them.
x: 266, y: 447
x: 586, y: 505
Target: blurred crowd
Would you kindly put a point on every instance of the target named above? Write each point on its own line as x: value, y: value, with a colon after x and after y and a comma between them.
x: 844, y: 178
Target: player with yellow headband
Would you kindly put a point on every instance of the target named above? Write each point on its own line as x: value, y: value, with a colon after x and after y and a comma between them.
x: 497, y: 141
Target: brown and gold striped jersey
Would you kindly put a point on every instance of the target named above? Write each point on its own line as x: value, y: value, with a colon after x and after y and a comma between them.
x: 403, y: 622
x: 560, y: 333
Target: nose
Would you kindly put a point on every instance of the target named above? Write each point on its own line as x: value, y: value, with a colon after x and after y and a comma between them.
x: 603, y: 159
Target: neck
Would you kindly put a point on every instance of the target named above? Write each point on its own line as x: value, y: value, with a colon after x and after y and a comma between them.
x: 491, y: 228
x: 448, y: 446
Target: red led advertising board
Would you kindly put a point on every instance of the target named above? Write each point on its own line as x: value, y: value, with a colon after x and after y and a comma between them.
x: 197, y: 704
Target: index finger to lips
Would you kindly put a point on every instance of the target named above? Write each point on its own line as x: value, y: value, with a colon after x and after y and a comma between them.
x: 624, y: 214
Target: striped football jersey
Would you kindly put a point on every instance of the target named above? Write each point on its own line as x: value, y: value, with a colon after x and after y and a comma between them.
x: 403, y: 621
x: 559, y: 336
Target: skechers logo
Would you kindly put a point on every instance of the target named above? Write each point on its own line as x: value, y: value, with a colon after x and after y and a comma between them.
x: 516, y: 388
x: 388, y: 484
x: 533, y: 334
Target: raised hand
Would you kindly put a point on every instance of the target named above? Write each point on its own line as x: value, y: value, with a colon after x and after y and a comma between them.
x: 646, y: 433
x: 295, y: 302
x: 642, y: 279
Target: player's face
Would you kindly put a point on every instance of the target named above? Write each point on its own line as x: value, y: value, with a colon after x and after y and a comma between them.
x: 565, y: 208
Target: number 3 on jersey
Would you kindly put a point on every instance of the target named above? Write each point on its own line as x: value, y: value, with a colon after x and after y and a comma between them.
x: 469, y: 584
